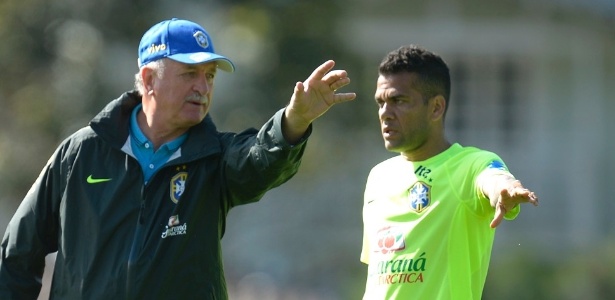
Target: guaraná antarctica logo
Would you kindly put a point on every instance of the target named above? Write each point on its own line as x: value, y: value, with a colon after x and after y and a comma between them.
x: 389, y: 239
x: 173, y: 228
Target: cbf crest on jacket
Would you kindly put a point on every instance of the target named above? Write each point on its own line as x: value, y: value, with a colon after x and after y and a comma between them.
x: 118, y: 238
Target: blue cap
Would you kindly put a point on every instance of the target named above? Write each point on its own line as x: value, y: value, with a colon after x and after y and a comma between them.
x: 180, y: 40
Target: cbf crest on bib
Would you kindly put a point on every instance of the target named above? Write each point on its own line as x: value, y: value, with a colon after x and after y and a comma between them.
x: 178, y: 186
x: 419, y: 196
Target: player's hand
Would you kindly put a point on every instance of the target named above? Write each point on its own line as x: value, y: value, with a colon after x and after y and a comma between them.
x: 511, y: 197
x: 314, y: 96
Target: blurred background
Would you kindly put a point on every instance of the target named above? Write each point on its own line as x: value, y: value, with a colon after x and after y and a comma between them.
x: 533, y: 80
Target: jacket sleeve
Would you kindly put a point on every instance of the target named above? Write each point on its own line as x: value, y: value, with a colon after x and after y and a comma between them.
x: 31, y: 235
x: 257, y: 161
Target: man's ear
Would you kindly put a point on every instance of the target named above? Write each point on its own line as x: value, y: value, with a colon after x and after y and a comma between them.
x: 147, y: 76
x: 438, y: 107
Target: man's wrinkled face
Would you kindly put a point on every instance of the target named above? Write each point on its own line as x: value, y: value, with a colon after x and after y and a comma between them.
x: 183, y: 93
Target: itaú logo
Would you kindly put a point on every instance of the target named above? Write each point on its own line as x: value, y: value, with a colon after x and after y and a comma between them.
x: 389, y: 239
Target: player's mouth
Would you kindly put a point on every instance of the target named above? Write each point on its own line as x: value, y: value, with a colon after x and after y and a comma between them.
x: 388, y: 132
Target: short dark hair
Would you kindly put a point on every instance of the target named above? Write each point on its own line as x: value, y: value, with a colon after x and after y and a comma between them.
x: 432, y: 71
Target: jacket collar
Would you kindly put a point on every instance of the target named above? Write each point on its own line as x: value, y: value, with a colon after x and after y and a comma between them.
x: 113, y: 122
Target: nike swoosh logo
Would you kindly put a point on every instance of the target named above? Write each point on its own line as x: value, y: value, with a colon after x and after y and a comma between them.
x: 97, y: 180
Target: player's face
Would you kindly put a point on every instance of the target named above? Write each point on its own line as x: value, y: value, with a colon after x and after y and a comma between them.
x: 183, y: 93
x: 403, y: 113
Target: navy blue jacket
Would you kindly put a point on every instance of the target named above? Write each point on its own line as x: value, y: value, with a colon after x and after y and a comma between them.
x: 117, y: 238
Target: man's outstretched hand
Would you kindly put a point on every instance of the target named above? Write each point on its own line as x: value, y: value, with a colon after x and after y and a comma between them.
x: 312, y: 98
x: 511, y: 197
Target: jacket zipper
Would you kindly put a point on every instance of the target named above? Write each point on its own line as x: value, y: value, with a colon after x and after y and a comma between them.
x: 134, y: 250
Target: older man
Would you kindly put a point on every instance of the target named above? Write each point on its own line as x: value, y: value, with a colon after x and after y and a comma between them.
x: 135, y: 204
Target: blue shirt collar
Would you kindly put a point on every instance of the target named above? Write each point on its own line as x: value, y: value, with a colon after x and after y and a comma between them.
x: 138, y: 135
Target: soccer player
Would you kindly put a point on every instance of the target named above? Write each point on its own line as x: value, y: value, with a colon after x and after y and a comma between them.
x: 430, y: 213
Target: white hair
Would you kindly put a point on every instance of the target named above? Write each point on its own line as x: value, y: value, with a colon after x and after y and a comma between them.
x: 158, y: 67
